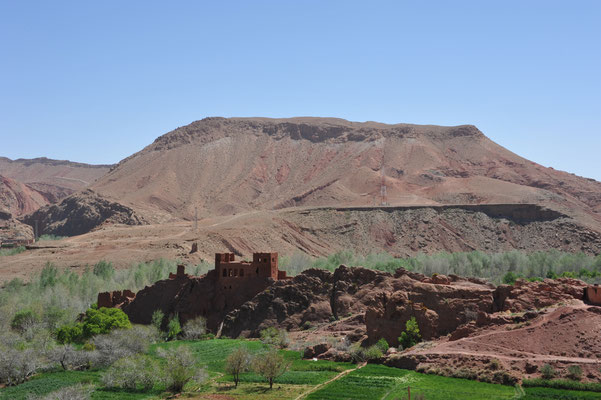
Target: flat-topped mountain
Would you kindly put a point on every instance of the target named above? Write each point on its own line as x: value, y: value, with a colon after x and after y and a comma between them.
x: 226, y: 166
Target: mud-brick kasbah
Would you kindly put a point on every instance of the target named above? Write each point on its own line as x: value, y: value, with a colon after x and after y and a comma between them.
x: 225, y: 288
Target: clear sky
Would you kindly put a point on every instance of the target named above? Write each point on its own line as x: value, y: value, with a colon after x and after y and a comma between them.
x: 95, y: 81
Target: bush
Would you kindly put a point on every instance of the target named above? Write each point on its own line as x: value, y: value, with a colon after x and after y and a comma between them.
x: 509, y: 278
x: 157, y: 319
x: 383, y: 345
x: 173, y: 328
x: 22, y: 320
x: 195, y: 329
x: 237, y: 362
x: 275, y: 337
x: 122, y: 343
x: 17, y: 366
x: 132, y: 373
x: 547, y: 371
x: 270, y: 365
x: 575, y: 372
x: 361, y: 354
x: 95, y: 322
x: 104, y: 270
x: 180, y: 368
x: 69, y: 358
x: 411, y: 336
x: 75, y: 392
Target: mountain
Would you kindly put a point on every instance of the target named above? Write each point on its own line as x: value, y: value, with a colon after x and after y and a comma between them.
x: 314, y: 185
x: 28, y: 184
x: 225, y: 166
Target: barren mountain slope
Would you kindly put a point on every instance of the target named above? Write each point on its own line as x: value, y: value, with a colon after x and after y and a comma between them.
x: 40, y: 181
x: 18, y: 198
x: 225, y: 166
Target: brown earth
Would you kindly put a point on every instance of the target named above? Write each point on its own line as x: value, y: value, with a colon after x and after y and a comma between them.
x: 314, y: 231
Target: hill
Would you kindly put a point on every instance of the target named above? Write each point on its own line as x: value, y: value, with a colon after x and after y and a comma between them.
x: 28, y: 184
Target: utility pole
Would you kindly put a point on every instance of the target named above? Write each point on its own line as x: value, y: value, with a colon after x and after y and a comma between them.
x: 195, y: 219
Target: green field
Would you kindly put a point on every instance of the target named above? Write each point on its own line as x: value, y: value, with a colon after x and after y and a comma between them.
x: 366, y: 383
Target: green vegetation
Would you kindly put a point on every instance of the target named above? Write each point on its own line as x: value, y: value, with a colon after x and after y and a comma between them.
x: 95, y: 322
x: 562, y: 384
x: 49, y: 237
x: 411, y: 336
x: 381, y: 382
x: 547, y: 371
x: 494, y: 267
x: 12, y: 251
x: 173, y: 328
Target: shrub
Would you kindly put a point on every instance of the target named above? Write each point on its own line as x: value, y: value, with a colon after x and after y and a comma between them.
x: 17, y: 366
x: 95, y: 322
x: 180, y: 368
x: 547, y: 371
x: 122, y: 343
x: 383, y: 345
x: 75, y: 392
x: 237, y: 362
x: 157, y: 319
x: 509, y: 278
x: 22, y: 320
x: 275, y: 337
x: 132, y: 373
x: 104, y: 270
x: 69, y: 358
x: 360, y: 354
x: 411, y: 336
x: 270, y: 365
x: 195, y: 328
x: 575, y: 372
x: 173, y: 328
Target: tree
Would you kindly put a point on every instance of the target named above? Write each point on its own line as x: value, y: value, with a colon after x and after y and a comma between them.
x: 411, y: 336
x: 173, y: 328
x: 195, y: 328
x: 270, y: 365
x: 157, y: 319
x: 180, y: 368
x: 237, y: 362
x: 95, y: 322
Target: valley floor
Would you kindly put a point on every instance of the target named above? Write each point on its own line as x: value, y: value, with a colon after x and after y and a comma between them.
x: 305, y: 379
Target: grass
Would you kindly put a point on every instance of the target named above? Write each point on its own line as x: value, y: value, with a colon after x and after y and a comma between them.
x: 548, y: 393
x: 381, y: 382
x: 12, y: 251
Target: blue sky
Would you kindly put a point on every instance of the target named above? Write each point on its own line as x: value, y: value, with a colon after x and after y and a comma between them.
x: 98, y: 81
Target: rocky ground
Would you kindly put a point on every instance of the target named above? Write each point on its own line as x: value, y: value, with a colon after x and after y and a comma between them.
x: 466, y: 323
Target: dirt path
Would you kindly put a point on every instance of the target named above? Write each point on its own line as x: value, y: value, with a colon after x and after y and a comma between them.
x: 340, y: 375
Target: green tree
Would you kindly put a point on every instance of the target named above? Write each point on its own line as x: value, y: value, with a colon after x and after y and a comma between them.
x: 411, y: 336
x: 95, y: 322
x: 547, y: 371
x: 237, y: 362
x: 173, y: 328
x: 157, y: 319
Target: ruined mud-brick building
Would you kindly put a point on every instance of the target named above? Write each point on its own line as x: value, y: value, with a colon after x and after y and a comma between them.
x: 221, y: 290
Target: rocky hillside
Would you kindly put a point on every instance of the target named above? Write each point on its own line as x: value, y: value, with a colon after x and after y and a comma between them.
x: 226, y: 166
x: 314, y: 184
x: 80, y: 213
x: 28, y: 184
